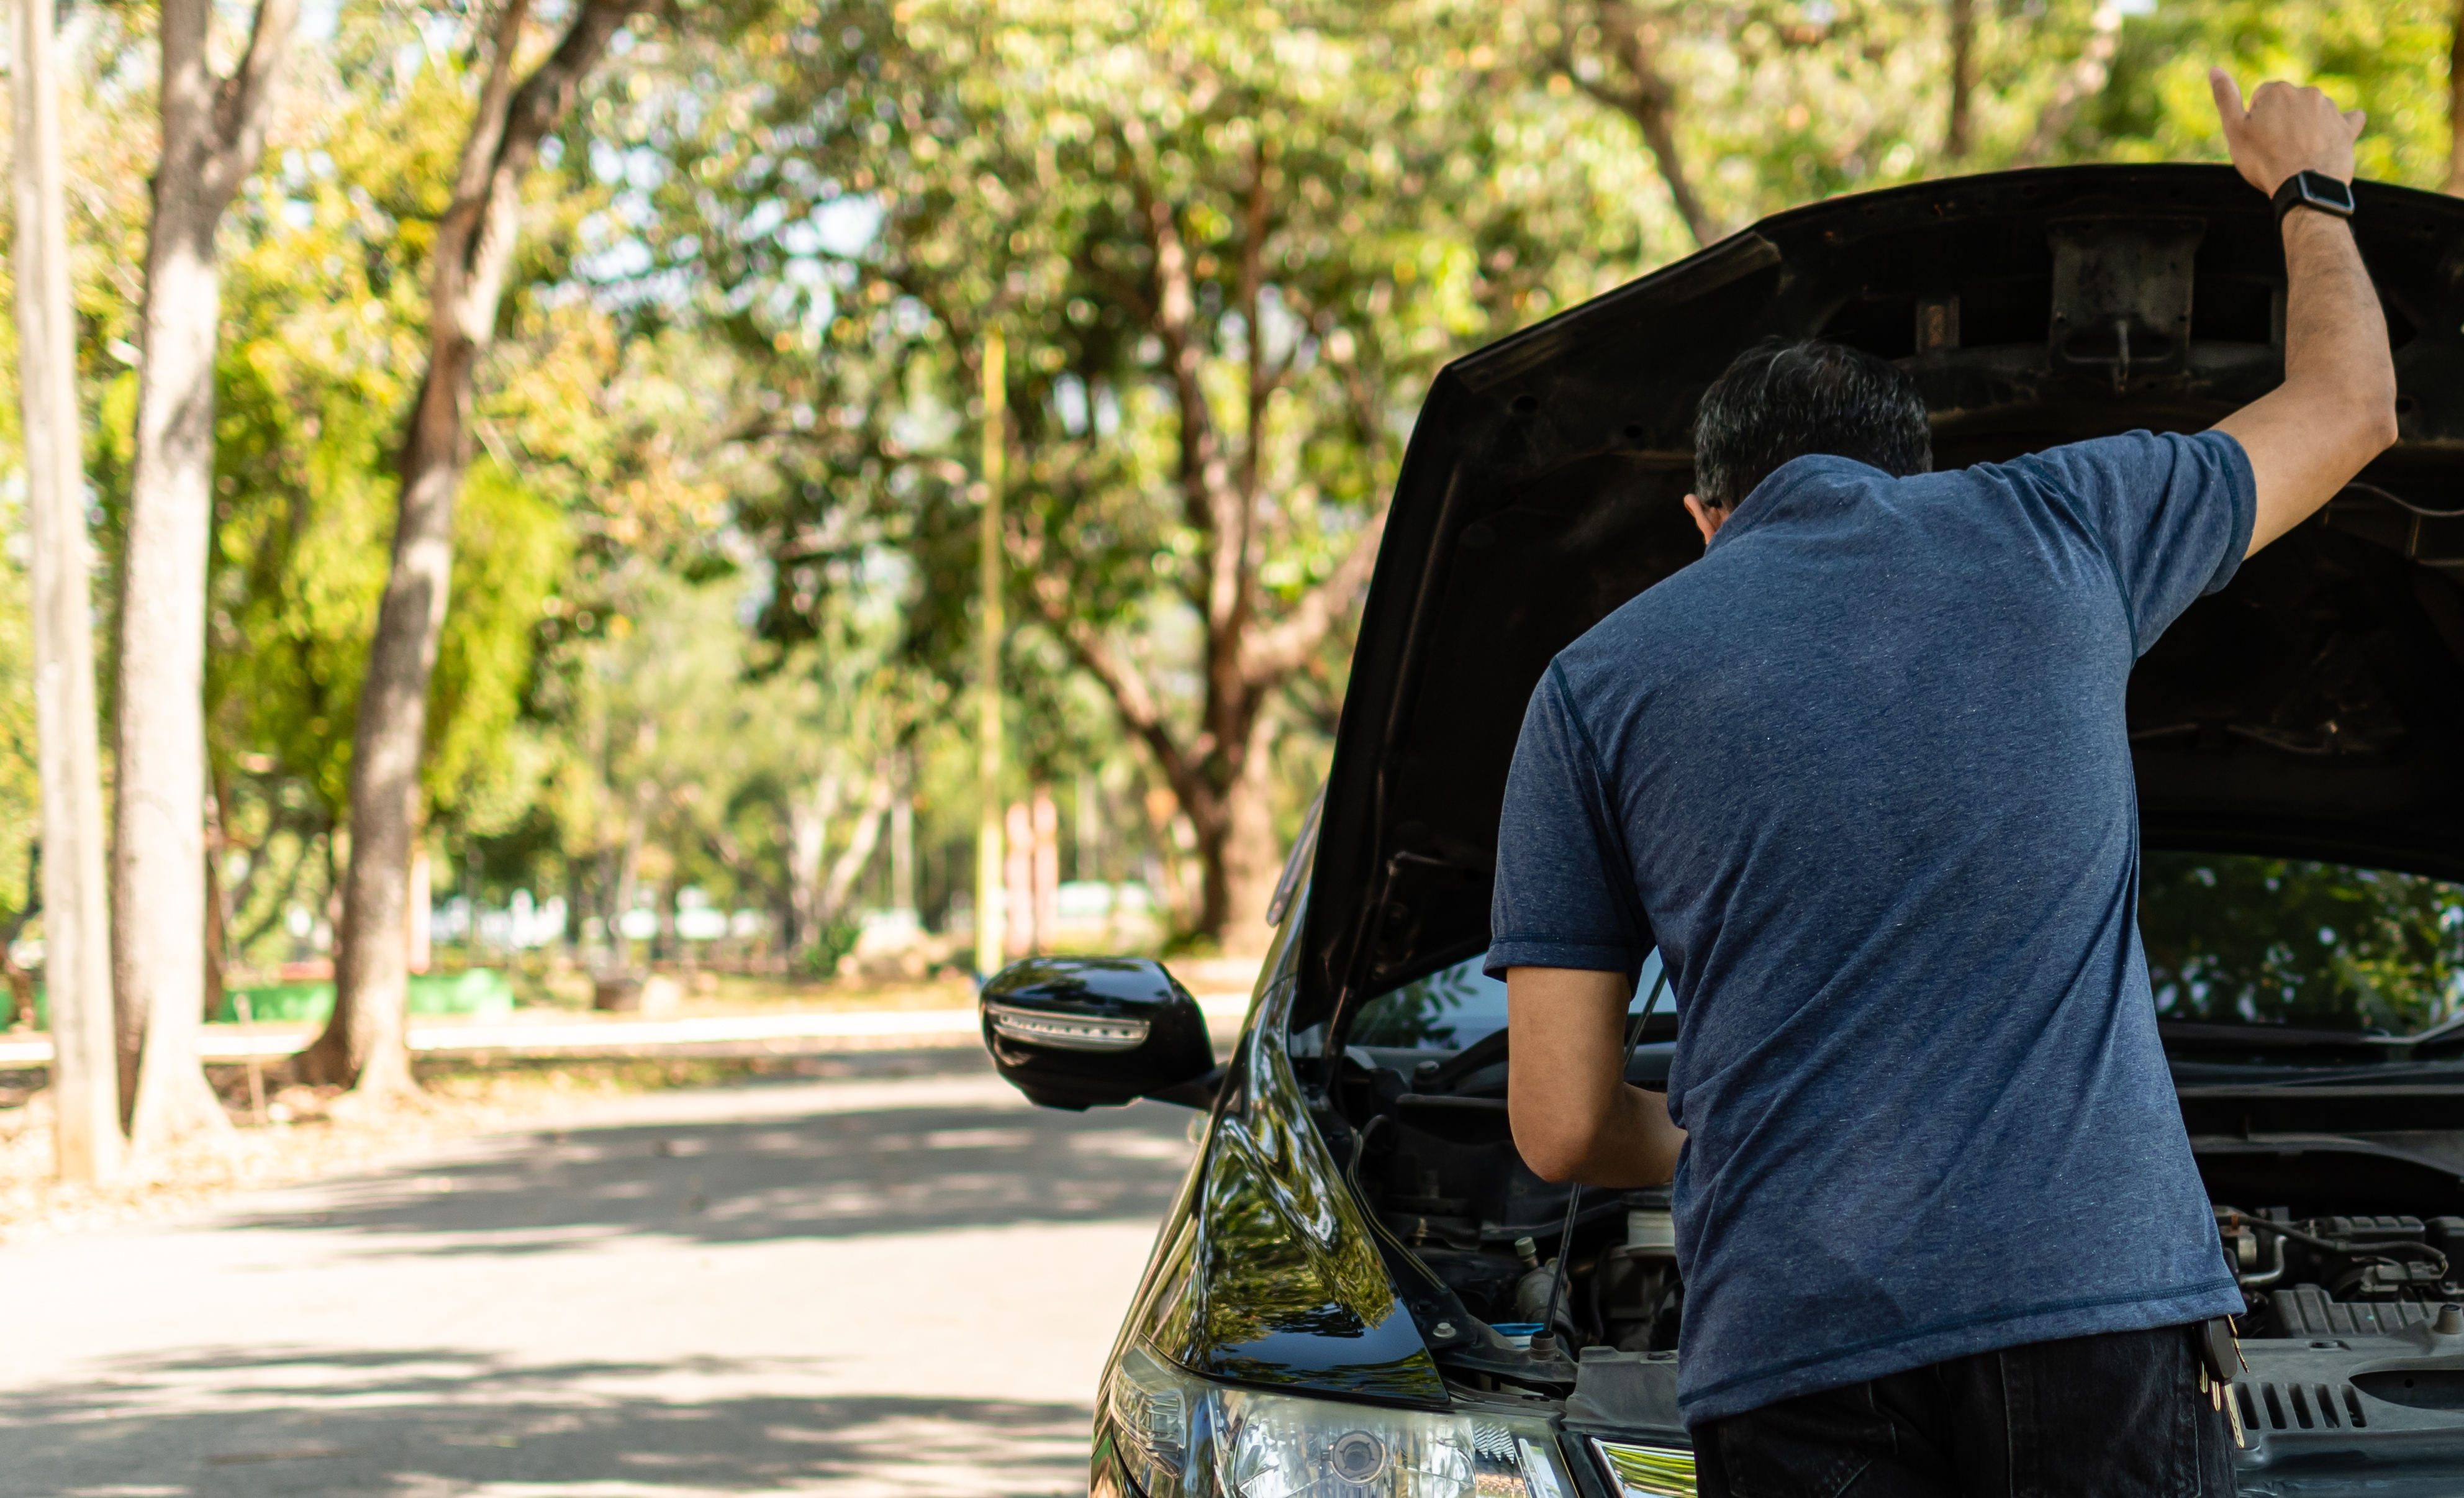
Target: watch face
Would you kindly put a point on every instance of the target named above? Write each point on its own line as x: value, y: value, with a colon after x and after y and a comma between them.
x: 2327, y: 191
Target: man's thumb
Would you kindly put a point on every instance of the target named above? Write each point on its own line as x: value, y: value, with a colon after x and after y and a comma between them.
x: 2228, y: 94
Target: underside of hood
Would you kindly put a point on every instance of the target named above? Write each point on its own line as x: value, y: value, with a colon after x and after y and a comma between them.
x: 2314, y: 708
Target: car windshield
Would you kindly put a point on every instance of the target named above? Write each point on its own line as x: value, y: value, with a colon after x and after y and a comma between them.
x: 2231, y: 938
x: 2242, y: 940
x: 1455, y: 1007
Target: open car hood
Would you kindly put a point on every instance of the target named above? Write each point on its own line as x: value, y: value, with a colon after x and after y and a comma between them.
x: 2314, y: 708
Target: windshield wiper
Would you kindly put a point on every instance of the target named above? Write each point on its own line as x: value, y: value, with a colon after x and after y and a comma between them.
x: 2392, y: 1073
x: 2209, y: 1036
x: 2187, y: 1040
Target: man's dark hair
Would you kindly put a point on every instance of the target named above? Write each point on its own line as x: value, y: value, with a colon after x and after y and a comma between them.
x: 1781, y: 400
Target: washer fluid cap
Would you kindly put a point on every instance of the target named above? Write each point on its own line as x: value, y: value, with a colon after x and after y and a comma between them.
x: 1651, y: 1230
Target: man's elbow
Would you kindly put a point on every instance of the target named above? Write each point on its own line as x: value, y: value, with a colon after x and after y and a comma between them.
x: 2353, y: 418
x: 2380, y: 432
x: 2370, y: 416
x: 1555, y: 1148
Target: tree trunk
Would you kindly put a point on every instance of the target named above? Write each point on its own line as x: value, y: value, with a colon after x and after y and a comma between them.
x: 1218, y: 774
x: 2081, y: 81
x: 1253, y: 856
x: 2455, y: 103
x: 902, y: 848
x: 213, y: 134
x: 77, y: 931
x: 808, y: 830
x: 627, y: 883
x: 1955, y: 141
x: 1652, y: 104
x: 571, y: 936
x: 363, y: 1043
x: 217, y: 902
x: 861, y: 839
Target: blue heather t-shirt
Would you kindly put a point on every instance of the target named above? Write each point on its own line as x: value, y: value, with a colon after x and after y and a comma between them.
x: 1863, y: 772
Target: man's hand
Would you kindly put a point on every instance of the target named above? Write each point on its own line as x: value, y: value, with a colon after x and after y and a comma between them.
x: 2284, y: 130
x: 1574, y: 1116
x: 2336, y: 409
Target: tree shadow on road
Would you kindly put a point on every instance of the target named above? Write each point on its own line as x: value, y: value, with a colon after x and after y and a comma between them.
x: 833, y: 1174
x: 415, y: 1422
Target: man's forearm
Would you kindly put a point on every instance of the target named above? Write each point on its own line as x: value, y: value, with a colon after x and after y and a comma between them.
x: 1574, y: 1115
x: 2335, y: 334
x: 2336, y: 409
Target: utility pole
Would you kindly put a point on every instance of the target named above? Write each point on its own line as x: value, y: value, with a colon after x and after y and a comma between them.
x: 76, y: 931
x: 989, y: 914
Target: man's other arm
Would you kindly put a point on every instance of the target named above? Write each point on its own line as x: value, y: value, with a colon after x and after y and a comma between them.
x: 2336, y: 409
x: 1574, y: 1115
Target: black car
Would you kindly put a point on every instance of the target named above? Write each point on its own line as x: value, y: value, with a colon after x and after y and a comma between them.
x: 1344, y: 1298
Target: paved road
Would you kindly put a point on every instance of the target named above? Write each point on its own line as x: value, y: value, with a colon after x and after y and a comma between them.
x: 887, y: 1284
x: 530, y: 1033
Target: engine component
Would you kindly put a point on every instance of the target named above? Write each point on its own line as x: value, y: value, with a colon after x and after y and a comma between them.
x: 1637, y: 1296
x: 1631, y: 1393
x: 2336, y: 1251
x: 1531, y: 1295
x: 1483, y: 1282
x: 2339, y: 1276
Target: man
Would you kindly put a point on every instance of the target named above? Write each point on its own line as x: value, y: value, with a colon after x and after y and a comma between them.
x: 1862, y: 775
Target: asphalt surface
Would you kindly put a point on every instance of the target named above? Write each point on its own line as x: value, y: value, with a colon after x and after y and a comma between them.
x: 902, y: 1281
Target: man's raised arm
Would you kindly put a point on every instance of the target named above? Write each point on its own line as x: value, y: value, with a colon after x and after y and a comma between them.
x: 2336, y: 409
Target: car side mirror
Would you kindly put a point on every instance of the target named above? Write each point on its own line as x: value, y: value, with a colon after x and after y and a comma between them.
x: 1097, y: 1032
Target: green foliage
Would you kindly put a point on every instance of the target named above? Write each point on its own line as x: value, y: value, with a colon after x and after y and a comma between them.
x: 2387, y: 58
x: 1448, y: 1009
x: 301, y: 545
x: 20, y: 790
x: 324, y: 307
x: 2280, y: 940
x: 511, y: 548
x: 837, y: 938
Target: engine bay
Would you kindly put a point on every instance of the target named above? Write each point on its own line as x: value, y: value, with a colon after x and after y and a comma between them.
x: 2348, y: 1247
x: 1431, y: 1157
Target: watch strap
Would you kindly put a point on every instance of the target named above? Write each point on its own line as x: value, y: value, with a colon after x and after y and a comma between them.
x: 2313, y: 190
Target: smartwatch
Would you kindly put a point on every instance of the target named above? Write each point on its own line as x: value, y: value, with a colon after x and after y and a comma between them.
x: 2314, y: 189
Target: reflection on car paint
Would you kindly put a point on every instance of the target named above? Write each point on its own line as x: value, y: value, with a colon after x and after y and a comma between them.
x: 1268, y: 1274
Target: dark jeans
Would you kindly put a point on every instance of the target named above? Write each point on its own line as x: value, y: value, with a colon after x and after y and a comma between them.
x: 2116, y: 1415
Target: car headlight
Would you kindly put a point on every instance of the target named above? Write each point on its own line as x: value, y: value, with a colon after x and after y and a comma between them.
x: 1180, y: 1435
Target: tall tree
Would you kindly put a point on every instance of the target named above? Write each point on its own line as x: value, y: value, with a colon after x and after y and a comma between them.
x: 214, y: 131
x: 363, y: 1043
x: 76, y: 936
x: 2456, y: 102
x: 1642, y: 93
x: 1957, y: 132
x: 1228, y: 248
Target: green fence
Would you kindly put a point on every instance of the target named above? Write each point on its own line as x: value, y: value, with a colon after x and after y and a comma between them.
x: 478, y: 993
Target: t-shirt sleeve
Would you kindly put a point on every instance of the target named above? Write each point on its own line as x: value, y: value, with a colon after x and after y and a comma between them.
x: 1565, y: 888
x: 2174, y: 515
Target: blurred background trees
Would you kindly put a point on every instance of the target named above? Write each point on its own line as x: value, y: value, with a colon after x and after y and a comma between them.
x: 702, y: 692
